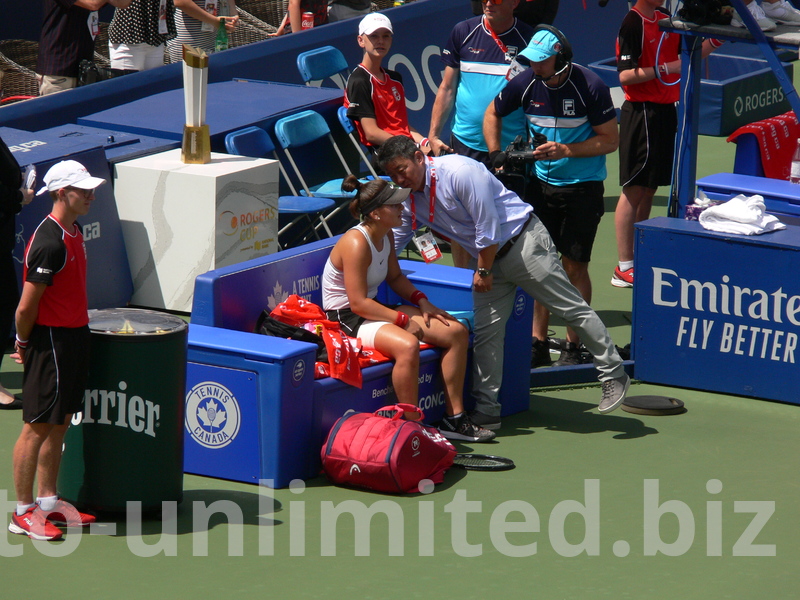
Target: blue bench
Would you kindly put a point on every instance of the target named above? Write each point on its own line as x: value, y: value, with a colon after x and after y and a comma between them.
x: 253, y: 408
x: 781, y: 197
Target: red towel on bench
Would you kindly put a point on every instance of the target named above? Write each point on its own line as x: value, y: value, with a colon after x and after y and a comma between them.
x: 777, y: 138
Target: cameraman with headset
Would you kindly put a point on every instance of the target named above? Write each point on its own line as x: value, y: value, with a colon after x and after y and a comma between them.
x: 572, y: 108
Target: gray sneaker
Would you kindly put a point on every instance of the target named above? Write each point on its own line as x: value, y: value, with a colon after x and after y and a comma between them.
x: 614, y: 392
x: 486, y: 421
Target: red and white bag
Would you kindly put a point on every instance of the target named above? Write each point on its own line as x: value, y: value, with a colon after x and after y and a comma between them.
x: 385, y: 453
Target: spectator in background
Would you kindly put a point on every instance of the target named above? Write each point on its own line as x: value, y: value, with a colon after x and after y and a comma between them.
x: 294, y: 15
x: 339, y: 10
x: 375, y: 98
x: 67, y: 37
x: 479, y: 59
x: 138, y: 34
x: 196, y: 24
x: 13, y: 196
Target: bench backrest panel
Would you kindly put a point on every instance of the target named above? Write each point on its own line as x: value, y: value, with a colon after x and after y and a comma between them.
x: 233, y: 297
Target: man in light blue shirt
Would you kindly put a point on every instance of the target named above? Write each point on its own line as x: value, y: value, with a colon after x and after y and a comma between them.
x: 458, y: 197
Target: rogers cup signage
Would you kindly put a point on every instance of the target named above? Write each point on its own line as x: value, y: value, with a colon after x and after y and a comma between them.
x: 719, y: 312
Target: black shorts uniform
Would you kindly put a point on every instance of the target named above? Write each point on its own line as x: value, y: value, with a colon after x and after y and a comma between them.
x: 571, y: 214
x: 56, y: 368
x: 647, y: 143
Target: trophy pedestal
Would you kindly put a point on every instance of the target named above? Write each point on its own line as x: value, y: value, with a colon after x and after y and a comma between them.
x: 196, y: 146
x: 180, y: 220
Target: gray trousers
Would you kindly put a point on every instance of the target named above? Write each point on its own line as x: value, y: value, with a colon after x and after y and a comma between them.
x: 532, y: 264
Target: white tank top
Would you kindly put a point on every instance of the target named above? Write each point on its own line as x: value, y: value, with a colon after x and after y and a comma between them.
x: 334, y: 296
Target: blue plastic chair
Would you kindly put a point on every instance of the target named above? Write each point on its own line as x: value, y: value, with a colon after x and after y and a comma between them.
x: 350, y: 129
x: 255, y: 142
x: 321, y: 63
x: 305, y: 128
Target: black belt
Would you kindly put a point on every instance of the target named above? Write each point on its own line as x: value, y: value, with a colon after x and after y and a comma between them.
x: 507, y: 246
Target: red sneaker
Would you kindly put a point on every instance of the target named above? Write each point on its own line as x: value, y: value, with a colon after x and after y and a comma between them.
x: 34, y: 524
x: 622, y: 279
x: 65, y: 514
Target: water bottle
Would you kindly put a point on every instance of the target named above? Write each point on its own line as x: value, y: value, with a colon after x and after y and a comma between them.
x: 794, y: 174
x: 221, y: 41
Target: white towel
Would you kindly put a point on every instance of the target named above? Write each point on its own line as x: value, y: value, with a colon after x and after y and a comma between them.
x: 740, y: 214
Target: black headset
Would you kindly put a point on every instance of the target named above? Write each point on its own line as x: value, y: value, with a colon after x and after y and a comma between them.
x: 564, y: 53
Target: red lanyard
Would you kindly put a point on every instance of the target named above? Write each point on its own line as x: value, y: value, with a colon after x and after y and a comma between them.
x: 496, y: 39
x: 432, y: 205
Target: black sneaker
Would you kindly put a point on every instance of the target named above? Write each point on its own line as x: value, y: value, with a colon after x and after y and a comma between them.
x: 541, y: 353
x: 483, y: 420
x: 461, y: 428
x: 570, y: 355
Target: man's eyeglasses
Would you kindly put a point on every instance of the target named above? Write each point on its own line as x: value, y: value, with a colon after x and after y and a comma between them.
x: 492, y: 1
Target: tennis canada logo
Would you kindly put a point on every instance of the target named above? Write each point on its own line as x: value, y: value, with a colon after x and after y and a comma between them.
x: 212, y: 415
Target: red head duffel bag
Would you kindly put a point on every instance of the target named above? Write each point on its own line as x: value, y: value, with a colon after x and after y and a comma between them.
x: 385, y: 453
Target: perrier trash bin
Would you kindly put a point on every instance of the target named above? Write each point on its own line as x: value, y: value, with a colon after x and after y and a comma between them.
x: 127, y: 445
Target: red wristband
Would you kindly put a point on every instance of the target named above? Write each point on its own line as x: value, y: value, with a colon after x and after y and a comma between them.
x: 417, y: 296
x: 401, y: 320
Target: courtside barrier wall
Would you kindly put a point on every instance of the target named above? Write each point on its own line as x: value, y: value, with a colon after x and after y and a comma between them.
x: 421, y: 29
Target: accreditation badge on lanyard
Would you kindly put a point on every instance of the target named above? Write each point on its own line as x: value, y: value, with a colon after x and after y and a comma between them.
x: 93, y: 23
x: 426, y: 243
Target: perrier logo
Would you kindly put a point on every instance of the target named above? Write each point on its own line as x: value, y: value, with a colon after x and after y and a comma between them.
x: 212, y: 414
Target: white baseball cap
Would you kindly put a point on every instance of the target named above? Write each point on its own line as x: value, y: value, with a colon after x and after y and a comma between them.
x: 69, y: 173
x: 372, y: 22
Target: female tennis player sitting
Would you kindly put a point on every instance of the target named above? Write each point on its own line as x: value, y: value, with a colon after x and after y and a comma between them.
x: 359, y: 262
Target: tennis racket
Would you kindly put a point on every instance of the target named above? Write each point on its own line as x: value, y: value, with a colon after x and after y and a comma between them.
x: 483, y: 462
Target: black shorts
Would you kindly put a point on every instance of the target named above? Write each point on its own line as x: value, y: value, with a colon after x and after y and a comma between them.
x: 571, y: 214
x: 350, y: 321
x: 56, y: 370
x: 646, y: 143
x: 347, y: 319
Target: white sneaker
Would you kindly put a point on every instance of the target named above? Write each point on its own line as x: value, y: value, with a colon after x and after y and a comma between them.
x: 758, y: 14
x: 781, y: 12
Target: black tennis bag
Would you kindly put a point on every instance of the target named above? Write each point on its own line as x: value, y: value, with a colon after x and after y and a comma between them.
x: 267, y: 325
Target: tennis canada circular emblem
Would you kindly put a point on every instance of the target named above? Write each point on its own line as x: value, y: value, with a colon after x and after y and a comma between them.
x: 212, y: 415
